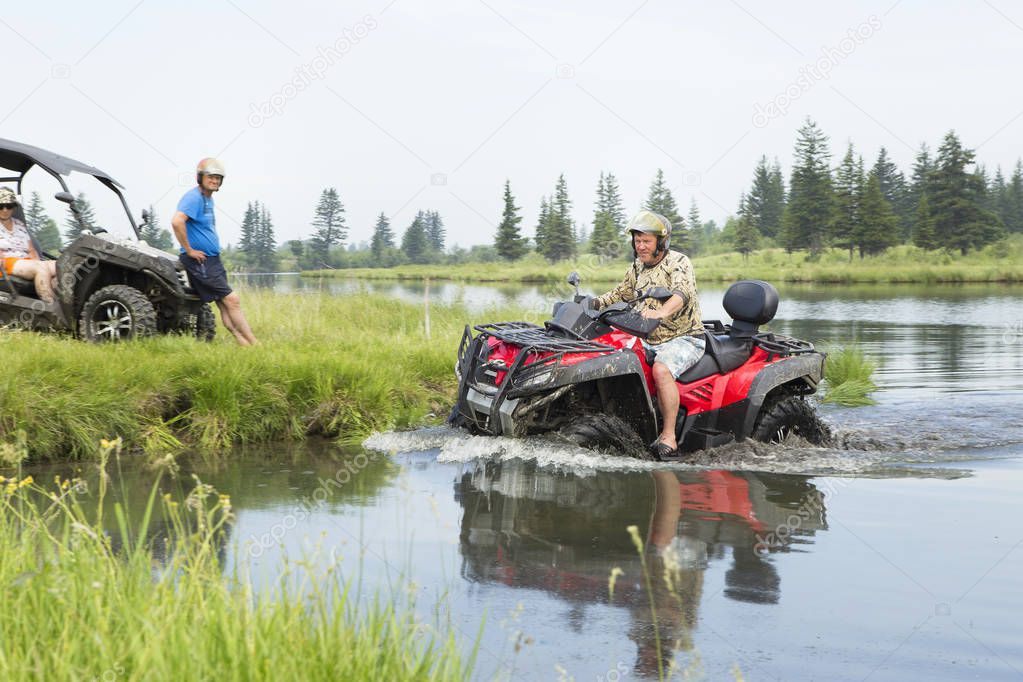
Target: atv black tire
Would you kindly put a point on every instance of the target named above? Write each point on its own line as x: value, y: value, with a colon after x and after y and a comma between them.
x: 205, y: 324
x: 117, y: 313
x: 790, y: 414
x: 605, y: 432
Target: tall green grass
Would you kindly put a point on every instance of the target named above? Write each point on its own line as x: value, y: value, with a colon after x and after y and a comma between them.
x: 78, y: 606
x: 849, y: 377
x: 333, y: 366
x: 1001, y: 262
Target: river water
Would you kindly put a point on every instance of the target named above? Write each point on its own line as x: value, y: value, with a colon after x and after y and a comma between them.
x: 894, y: 556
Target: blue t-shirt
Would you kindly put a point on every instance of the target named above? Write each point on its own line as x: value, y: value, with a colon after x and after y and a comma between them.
x: 201, y: 225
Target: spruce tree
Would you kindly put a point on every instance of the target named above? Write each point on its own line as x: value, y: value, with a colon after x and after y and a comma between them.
x: 918, y: 184
x: 923, y: 226
x: 696, y: 239
x: 153, y: 234
x: 435, y: 231
x: 560, y: 239
x: 744, y: 233
x: 543, y: 225
x: 809, y: 209
x: 414, y: 242
x: 1012, y: 200
x: 660, y: 200
x: 383, y: 238
x: 956, y: 195
x: 249, y: 241
x: 265, y: 242
x: 604, y: 238
x: 509, y: 242
x: 41, y: 226
x: 765, y: 203
x: 879, y: 224
x: 893, y: 186
x: 86, y: 220
x: 328, y: 223
x: 848, y: 185
x: 613, y: 204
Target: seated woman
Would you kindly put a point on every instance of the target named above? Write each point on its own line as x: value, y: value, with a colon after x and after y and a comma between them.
x: 19, y: 256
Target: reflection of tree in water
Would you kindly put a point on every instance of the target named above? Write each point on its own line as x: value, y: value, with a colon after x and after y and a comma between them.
x: 525, y: 527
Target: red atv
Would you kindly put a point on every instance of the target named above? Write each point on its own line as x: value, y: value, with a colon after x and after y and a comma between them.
x: 586, y: 375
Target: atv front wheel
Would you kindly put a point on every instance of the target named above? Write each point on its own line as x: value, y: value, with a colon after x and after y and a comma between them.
x: 790, y: 414
x: 116, y: 313
x: 205, y: 324
x: 604, y: 432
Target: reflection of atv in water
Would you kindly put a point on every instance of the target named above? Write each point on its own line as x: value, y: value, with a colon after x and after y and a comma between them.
x: 586, y: 374
x: 526, y: 528
x: 108, y: 288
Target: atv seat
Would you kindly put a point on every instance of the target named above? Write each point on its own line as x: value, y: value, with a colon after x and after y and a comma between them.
x: 24, y: 287
x: 722, y: 353
x: 751, y: 303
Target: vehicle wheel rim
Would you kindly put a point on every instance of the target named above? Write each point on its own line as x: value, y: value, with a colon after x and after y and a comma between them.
x: 112, y: 321
x: 781, y: 434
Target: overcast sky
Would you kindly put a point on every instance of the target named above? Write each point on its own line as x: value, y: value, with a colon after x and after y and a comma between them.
x: 404, y: 105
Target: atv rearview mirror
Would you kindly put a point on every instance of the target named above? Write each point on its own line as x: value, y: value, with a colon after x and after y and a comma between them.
x: 573, y: 279
x: 66, y: 197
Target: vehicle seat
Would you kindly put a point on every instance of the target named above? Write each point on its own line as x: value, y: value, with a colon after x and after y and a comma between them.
x: 751, y: 303
x: 25, y: 287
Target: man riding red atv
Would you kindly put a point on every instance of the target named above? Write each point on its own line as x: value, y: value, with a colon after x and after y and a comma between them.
x: 587, y: 374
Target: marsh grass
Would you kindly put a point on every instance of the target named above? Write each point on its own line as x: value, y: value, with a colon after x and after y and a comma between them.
x: 333, y: 366
x: 1000, y: 262
x: 156, y: 606
x: 848, y: 374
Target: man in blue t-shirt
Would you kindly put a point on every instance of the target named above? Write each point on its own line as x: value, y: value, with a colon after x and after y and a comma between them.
x: 195, y: 226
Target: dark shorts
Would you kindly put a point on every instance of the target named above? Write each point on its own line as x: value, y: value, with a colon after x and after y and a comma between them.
x: 209, y: 278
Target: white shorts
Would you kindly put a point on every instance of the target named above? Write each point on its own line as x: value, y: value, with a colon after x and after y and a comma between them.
x: 679, y: 353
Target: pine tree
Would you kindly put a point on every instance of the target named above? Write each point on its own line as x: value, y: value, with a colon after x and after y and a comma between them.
x: 329, y: 224
x: 918, y: 185
x: 744, y: 233
x: 41, y: 226
x: 560, y: 239
x: 809, y: 209
x: 153, y: 234
x: 383, y: 238
x: 848, y: 185
x: 923, y: 231
x: 894, y: 188
x: 613, y: 204
x: 248, y: 243
x: 435, y: 232
x: 604, y: 238
x: 956, y: 196
x: 879, y: 225
x: 414, y: 242
x: 86, y: 218
x: 660, y: 200
x: 509, y: 242
x: 766, y: 199
x: 543, y: 225
x: 1012, y: 200
x: 265, y: 242
x: 696, y: 238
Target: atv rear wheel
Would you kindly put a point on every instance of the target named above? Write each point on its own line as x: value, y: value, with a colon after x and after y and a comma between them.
x: 604, y: 432
x: 782, y: 416
x: 205, y: 327
x: 116, y: 313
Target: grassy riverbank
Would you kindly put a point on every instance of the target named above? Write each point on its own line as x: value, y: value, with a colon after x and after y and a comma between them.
x: 81, y: 605
x: 1002, y: 262
x: 336, y: 366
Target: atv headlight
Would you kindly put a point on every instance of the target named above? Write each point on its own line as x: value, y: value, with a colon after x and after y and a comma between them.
x: 541, y: 376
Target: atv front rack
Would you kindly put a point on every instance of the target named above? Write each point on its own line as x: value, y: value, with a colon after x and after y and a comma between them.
x: 534, y: 338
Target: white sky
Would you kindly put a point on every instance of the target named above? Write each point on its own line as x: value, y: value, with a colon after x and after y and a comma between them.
x: 434, y: 104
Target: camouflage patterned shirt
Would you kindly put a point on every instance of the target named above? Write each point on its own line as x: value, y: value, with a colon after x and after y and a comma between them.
x: 675, y: 273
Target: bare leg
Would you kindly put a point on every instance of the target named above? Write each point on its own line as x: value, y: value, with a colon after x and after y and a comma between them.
x: 667, y: 399
x: 234, y: 319
x: 38, y: 271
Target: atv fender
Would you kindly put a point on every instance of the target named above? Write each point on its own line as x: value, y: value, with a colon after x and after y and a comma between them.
x: 807, y: 368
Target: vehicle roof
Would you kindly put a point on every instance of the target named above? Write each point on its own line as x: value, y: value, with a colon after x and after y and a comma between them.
x: 19, y: 157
